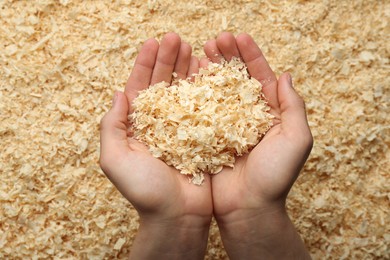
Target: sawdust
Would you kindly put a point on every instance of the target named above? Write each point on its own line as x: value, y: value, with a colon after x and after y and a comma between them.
x: 60, y: 62
x: 200, y: 125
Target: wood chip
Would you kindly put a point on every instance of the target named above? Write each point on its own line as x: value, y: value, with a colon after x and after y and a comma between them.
x: 60, y: 62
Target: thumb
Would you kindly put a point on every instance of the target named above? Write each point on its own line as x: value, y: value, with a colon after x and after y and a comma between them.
x: 293, y: 114
x: 113, y: 132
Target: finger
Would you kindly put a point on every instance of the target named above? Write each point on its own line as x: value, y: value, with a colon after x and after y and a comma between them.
x: 204, y: 62
x: 258, y: 67
x: 183, y: 61
x: 166, y: 58
x: 113, y: 133
x: 293, y: 114
x: 227, y: 45
x: 212, y: 52
x: 193, y: 68
x: 142, y: 71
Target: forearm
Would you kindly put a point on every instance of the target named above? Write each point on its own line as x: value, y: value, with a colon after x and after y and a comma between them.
x: 262, y: 236
x: 170, y: 241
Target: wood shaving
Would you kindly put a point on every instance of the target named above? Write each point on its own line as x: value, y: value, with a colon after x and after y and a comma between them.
x: 62, y: 60
x: 199, y: 127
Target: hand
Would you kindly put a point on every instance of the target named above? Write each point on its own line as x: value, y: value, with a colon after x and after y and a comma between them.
x: 249, y: 199
x: 174, y: 214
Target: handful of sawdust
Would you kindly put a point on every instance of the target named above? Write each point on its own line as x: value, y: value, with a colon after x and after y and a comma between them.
x: 199, y: 127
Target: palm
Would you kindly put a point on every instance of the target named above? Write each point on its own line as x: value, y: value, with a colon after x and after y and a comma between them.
x: 148, y: 183
x: 268, y: 171
x: 255, y: 178
x: 159, y: 187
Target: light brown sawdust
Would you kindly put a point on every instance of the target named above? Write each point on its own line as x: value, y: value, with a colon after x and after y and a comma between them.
x: 186, y: 127
x: 60, y: 62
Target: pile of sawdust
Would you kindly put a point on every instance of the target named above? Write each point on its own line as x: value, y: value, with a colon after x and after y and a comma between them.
x: 61, y: 60
x: 200, y: 125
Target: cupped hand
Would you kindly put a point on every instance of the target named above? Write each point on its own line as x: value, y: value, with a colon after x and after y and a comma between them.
x: 156, y: 190
x: 261, y: 179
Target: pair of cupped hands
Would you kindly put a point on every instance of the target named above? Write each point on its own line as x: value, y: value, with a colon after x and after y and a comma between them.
x: 253, y: 192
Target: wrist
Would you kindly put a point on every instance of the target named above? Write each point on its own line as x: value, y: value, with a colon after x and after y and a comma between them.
x: 241, y: 223
x: 261, y: 233
x: 249, y: 212
x: 184, y: 238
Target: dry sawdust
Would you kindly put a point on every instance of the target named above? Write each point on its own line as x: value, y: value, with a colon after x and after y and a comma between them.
x: 61, y: 60
x: 200, y: 125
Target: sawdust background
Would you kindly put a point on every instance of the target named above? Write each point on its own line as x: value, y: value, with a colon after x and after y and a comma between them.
x: 60, y: 62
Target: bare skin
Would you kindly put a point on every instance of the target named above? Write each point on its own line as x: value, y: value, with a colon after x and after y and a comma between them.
x: 248, y: 201
x: 174, y: 214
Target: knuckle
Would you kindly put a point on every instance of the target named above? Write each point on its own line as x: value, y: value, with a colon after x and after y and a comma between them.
x: 103, y: 162
x: 310, y: 141
x: 104, y: 120
x: 301, y: 102
x: 307, y: 140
